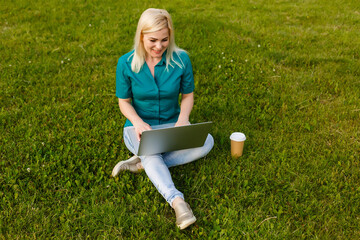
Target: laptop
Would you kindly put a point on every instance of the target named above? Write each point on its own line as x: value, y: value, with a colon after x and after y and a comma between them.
x: 171, y: 138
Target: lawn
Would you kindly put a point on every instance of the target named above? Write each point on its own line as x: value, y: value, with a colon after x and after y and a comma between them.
x: 286, y: 73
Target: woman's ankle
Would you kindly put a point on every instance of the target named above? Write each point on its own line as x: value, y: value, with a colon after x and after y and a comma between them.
x: 176, y: 201
x: 139, y: 166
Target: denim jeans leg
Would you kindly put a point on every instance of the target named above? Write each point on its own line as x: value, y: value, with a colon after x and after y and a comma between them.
x: 157, y: 171
x: 181, y: 157
x: 127, y: 140
x: 159, y: 175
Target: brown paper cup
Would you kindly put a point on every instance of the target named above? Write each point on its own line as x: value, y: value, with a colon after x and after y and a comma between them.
x: 237, y: 144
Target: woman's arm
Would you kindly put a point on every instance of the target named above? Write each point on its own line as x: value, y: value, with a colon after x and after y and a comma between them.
x: 187, y: 103
x: 129, y: 112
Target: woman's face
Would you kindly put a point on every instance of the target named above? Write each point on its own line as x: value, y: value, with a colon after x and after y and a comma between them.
x: 156, y: 43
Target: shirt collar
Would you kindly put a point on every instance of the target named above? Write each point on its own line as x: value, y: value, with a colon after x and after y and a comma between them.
x: 163, y: 59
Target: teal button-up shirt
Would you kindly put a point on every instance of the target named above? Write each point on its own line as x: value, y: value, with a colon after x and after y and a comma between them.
x: 155, y: 99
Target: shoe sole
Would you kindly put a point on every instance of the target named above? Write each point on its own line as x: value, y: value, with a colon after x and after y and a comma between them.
x: 187, y: 223
x: 116, y: 171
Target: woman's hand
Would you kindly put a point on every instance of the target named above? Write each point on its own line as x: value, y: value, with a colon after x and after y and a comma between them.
x: 182, y: 123
x: 141, y: 126
x: 129, y: 112
x: 187, y: 102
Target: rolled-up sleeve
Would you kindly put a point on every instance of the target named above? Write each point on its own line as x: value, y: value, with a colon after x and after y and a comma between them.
x: 187, y: 80
x: 123, y: 83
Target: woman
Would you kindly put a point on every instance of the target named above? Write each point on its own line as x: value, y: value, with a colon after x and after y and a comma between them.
x: 149, y: 80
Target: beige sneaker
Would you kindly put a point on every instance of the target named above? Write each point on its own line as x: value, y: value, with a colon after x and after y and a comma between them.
x: 184, y: 215
x: 130, y: 165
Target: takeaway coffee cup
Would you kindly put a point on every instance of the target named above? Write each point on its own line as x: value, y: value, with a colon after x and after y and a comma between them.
x: 237, y: 144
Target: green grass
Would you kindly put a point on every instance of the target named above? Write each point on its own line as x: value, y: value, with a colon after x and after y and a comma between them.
x: 286, y: 73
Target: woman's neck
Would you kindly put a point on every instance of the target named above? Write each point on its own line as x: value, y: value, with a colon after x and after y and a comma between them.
x: 152, y: 61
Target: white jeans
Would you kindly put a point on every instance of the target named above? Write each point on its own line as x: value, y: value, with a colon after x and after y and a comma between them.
x: 157, y: 166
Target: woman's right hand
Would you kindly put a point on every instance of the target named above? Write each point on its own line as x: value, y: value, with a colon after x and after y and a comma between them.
x: 141, y: 126
x: 129, y: 112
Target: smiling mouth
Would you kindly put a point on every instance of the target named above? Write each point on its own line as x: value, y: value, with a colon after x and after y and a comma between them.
x: 157, y: 52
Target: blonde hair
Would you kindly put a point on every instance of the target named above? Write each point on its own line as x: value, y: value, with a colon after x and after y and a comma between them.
x: 153, y: 20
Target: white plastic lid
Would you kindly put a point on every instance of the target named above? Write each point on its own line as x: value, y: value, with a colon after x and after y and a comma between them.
x: 238, y: 136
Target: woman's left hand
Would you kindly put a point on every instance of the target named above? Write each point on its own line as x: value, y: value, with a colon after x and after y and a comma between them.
x: 182, y: 123
x: 187, y: 102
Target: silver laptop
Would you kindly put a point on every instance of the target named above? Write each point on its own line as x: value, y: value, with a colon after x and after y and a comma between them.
x: 171, y: 138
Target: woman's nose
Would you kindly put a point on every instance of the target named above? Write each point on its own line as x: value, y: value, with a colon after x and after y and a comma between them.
x: 158, y: 45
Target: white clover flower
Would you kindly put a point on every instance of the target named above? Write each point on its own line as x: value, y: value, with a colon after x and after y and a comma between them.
x: 210, y: 46
x: 222, y: 53
x: 231, y: 60
x: 62, y: 62
x: 223, y: 57
x: 219, y: 66
x: 259, y: 45
x: 10, y: 65
x: 68, y: 59
x: 246, y: 60
x: 274, y: 70
x: 29, y: 61
x: 28, y: 169
x: 90, y: 25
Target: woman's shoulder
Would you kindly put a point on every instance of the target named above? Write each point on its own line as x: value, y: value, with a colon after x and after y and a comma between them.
x: 181, y: 55
x: 127, y: 57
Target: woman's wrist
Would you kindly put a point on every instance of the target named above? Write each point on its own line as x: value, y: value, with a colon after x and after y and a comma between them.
x: 183, y: 118
x: 182, y: 121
